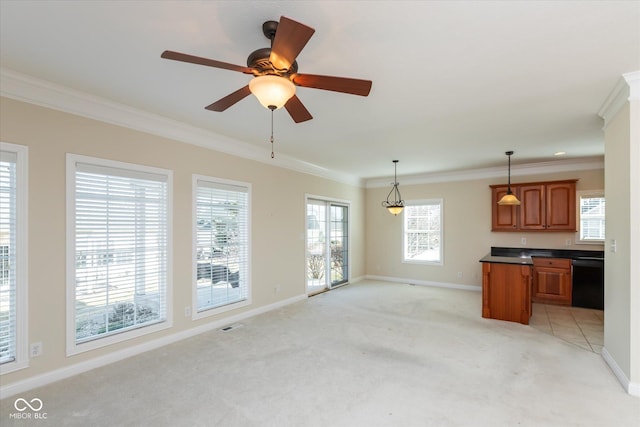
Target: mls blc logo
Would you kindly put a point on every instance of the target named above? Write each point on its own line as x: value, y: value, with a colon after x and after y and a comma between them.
x: 28, y: 409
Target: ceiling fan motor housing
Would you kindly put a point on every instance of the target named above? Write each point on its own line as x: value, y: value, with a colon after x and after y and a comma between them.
x: 258, y: 60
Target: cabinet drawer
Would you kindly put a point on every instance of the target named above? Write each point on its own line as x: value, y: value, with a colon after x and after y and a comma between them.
x: 564, y: 263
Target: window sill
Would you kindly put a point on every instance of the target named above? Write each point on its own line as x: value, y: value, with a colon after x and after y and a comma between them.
x: 74, y: 348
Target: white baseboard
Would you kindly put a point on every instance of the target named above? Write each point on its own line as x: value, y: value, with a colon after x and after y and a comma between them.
x: 426, y: 283
x: 631, y: 388
x: 8, y: 390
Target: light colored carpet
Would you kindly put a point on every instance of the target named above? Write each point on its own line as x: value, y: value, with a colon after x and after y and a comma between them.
x: 369, y: 354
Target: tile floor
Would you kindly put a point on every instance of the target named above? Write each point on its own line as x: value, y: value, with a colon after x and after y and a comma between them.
x: 583, y: 327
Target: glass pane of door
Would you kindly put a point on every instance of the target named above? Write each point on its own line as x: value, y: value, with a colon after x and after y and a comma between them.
x: 339, y: 244
x: 316, y: 246
x: 327, y: 245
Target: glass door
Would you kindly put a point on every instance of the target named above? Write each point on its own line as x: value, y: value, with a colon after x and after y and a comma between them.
x: 327, y: 245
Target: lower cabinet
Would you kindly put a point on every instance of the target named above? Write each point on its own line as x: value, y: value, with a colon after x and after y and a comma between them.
x: 506, y: 292
x: 552, y: 281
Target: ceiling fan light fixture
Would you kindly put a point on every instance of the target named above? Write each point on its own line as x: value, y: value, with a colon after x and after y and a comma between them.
x: 272, y: 91
x: 509, y: 199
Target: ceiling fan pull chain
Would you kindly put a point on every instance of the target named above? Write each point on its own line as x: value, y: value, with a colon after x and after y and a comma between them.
x: 272, y: 155
x: 271, y: 139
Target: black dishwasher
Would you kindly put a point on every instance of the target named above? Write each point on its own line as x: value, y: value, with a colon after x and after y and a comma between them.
x: 588, y: 283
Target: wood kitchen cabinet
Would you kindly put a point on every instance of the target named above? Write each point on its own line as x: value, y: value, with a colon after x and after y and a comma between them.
x: 561, y: 206
x: 506, y: 292
x: 552, y: 281
x: 544, y: 206
x: 532, y: 208
x: 503, y: 218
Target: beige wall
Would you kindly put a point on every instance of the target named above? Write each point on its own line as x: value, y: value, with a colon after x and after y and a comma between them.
x: 278, y: 219
x: 617, y: 304
x: 622, y: 272
x: 467, y: 228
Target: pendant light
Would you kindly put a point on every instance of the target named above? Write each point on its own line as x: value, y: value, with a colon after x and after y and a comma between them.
x: 397, y: 205
x: 509, y: 199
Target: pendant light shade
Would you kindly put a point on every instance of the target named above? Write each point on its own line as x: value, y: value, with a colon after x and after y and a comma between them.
x: 509, y: 199
x: 272, y: 91
x: 397, y: 204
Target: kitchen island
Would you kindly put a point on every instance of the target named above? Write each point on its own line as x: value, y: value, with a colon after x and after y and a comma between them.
x: 506, y: 288
x: 514, y: 278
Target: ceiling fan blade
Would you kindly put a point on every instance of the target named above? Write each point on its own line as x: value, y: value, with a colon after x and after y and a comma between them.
x: 296, y: 110
x: 226, y: 102
x: 177, y: 56
x: 290, y: 39
x: 336, y: 84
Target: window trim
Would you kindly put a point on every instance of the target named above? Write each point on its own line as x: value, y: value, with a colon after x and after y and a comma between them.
x: 72, y: 346
x: 433, y: 201
x: 22, y: 283
x: 580, y: 194
x: 195, y: 314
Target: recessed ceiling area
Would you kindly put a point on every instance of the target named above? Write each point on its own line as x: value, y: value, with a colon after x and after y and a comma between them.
x: 455, y: 84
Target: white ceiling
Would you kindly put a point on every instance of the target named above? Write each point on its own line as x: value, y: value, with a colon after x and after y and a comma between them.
x: 455, y: 83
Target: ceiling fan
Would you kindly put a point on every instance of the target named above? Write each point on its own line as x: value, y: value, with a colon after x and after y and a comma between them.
x: 275, y: 71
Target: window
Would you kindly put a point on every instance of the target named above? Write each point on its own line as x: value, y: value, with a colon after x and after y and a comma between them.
x: 119, y: 251
x: 591, y: 207
x: 221, y: 245
x: 13, y: 258
x: 422, y: 235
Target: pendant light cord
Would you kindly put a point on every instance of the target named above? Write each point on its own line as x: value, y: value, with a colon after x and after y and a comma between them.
x: 509, y: 157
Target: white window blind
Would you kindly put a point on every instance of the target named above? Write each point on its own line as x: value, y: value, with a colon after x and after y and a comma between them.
x: 592, y: 217
x: 8, y: 283
x: 423, y: 232
x: 221, y: 243
x: 121, y: 249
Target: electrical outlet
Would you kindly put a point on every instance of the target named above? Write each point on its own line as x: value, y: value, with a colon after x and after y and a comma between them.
x: 187, y: 311
x: 276, y: 289
x: 459, y: 274
x: 567, y: 242
x: 35, y: 349
x: 523, y: 241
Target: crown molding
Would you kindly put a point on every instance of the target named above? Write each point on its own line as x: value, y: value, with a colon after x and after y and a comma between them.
x: 35, y: 91
x: 633, y: 80
x: 28, y: 89
x: 626, y: 89
x: 570, y: 165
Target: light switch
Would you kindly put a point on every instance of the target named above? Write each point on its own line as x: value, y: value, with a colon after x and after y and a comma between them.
x: 614, y: 246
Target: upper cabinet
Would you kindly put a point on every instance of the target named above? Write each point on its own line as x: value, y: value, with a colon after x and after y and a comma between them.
x: 532, y: 207
x: 561, y: 206
x: 503, y: 218
x: 544, y: 206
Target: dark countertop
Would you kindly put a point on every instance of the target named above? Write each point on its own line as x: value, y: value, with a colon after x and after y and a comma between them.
x: 523, y: 255
x: 507, y: 259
